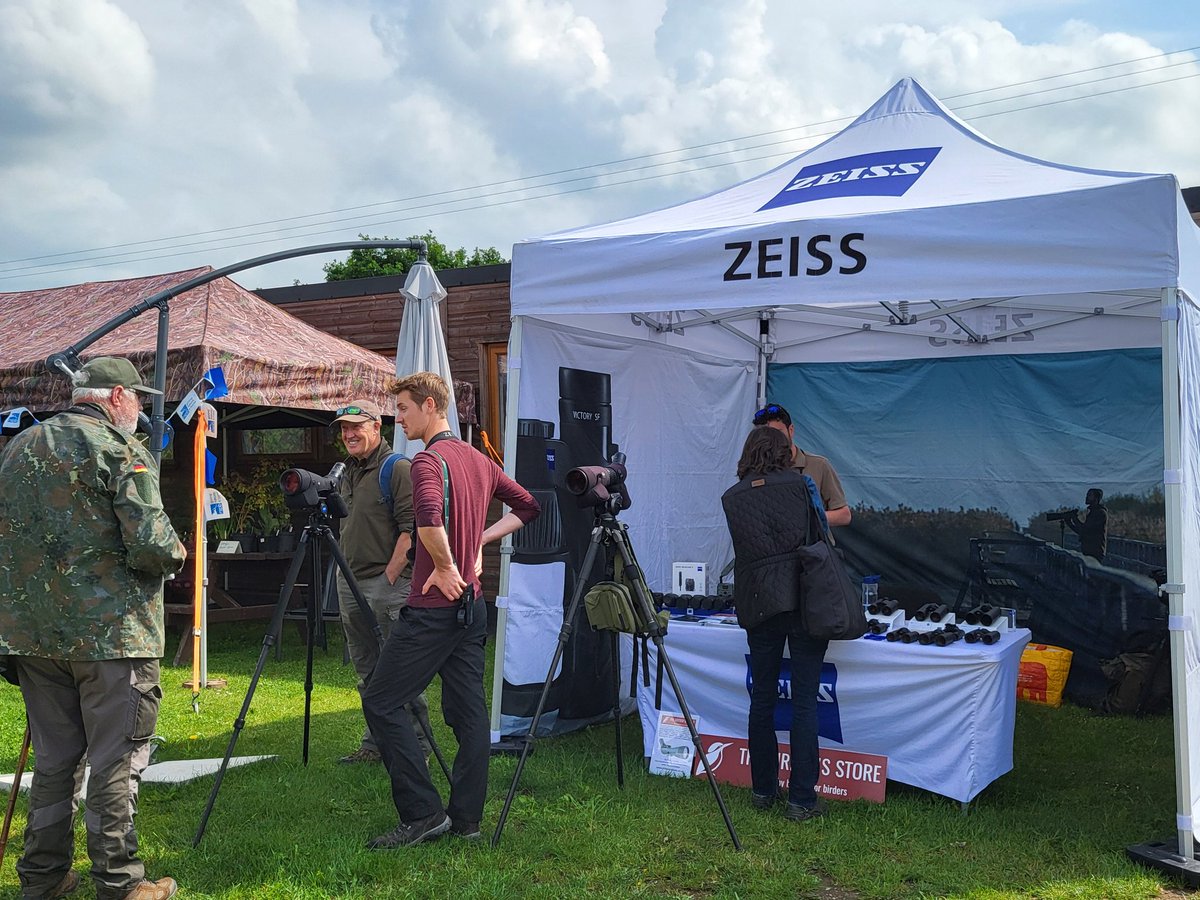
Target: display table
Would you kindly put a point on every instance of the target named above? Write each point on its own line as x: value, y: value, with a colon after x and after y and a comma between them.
x: 943, y: 716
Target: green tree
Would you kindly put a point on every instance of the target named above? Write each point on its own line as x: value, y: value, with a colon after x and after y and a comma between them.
x: 369, y: 262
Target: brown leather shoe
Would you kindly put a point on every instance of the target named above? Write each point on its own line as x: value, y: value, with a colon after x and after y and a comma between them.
x: 69, y: 883
x: 154, y: 890
x: 361, y: 755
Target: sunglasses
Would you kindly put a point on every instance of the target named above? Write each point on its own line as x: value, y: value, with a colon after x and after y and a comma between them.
x: 771, y: 409
x: 353, y: 411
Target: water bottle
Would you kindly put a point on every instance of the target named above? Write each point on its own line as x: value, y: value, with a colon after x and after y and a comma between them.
x: 870, y: 590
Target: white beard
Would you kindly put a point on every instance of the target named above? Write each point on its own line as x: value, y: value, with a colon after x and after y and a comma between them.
x: 125, y: 422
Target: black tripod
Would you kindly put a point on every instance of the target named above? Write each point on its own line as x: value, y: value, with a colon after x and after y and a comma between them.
x: 318, y: 526
x: 608, y: 531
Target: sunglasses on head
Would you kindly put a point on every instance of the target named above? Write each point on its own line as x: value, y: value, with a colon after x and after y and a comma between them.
x: 771, y: 409
x: 353, y: 411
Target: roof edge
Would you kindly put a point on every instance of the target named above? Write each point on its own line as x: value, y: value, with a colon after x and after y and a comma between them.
x: 500, y: 273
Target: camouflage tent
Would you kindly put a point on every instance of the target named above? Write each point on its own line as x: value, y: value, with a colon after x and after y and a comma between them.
x: 270, y: 358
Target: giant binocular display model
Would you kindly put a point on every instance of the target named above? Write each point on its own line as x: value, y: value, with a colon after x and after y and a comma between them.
x: 562, y: 534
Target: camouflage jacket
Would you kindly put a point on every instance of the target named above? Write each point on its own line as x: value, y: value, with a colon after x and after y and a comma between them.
x: 84, y: 543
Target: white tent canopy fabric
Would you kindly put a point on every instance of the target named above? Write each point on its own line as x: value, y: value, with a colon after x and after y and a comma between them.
x: 908, y: 235
x: 421, y: 345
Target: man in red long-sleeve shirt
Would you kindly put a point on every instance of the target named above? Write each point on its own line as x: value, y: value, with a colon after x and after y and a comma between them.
x: 443, y: 628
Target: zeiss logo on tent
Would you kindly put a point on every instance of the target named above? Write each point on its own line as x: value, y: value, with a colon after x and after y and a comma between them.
x: 829, y: 718
x: 886, y: 174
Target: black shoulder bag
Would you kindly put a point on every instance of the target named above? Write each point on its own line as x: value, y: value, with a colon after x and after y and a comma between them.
x: 830, y: 605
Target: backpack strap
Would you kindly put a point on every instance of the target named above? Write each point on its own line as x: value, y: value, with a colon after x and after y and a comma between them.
x: 385, y: 480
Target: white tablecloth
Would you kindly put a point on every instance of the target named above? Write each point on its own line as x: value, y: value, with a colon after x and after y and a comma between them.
x: 943, y: 716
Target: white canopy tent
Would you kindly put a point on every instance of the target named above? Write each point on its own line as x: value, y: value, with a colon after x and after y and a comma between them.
x: 908, y: 235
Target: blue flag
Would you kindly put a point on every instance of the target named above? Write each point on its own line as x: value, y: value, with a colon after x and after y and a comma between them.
x: 210, y: 467
x: 216, y: 377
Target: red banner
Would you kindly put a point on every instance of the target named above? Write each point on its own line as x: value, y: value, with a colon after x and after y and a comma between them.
x: 844, y: 774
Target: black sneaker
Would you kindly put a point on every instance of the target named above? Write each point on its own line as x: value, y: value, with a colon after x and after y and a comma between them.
x: 798, y: 813
x: 408, y: 833
x: 468, y: 831
x: 764, y: 801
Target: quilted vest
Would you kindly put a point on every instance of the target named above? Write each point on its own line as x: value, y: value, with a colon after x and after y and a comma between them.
x: 768, y: 519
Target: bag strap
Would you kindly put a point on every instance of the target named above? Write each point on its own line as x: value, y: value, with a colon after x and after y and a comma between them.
x: 446, y: 504
x: 818, y: 524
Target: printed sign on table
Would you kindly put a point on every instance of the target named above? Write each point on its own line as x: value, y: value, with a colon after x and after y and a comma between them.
x: 843, y: 774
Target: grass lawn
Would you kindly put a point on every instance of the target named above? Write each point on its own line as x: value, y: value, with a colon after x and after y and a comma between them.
x: 1083, y: 788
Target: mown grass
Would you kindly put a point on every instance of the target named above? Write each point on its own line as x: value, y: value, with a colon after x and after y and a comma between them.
x: 1082, y: 789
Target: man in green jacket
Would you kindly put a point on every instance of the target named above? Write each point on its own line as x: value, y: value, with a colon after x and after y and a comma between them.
x: 376, y: 538
x: 84, y: 548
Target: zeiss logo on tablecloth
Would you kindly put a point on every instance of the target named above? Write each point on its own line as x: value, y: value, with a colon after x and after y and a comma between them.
x: 829, y: 718
x: 887, y: 174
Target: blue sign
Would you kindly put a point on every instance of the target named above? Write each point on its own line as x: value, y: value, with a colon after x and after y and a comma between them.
x: 887, y: 174
x: 829, y: 717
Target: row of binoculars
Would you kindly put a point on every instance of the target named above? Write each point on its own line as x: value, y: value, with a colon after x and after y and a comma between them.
x: 940, y: 637
x: 707, y: 602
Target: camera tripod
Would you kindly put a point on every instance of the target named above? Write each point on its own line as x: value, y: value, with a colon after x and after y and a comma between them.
x: 607, y: 531
x: 318, y: 528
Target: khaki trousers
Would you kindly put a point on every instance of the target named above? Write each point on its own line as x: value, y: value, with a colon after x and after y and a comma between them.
x: 386, y: 600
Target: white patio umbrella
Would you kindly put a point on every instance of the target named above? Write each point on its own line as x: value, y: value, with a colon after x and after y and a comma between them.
x: 421, y: 346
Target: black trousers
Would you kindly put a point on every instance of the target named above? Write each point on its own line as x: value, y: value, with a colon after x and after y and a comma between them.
x: 766, y: 642
x: 423, y: 643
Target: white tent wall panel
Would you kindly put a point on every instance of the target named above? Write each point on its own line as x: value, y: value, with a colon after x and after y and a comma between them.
x: 672, y: 413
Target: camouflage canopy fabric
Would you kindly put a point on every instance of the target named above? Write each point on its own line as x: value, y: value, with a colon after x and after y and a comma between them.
x: 269, y: 358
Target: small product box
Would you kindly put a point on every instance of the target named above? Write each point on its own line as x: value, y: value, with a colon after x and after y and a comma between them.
x: 688, y: 578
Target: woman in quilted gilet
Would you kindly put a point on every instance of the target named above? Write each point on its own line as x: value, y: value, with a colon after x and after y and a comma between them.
x: 767, y: 512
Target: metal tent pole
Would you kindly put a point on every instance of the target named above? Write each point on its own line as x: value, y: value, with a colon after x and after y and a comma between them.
x: 1173, y: 500
x: 512, y: 396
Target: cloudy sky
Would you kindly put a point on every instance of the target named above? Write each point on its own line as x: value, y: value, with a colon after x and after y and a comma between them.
x: 144, y: 136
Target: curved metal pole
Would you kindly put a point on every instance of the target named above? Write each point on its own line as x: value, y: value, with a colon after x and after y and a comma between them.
x: 67, y: 361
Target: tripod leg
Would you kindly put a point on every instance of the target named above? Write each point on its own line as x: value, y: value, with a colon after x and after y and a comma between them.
x: 621, y: 540
x: 285, y: 595
x: 339, y: 559
x: 564, y: 635
x: 615, y: 647
x: 311, y: 613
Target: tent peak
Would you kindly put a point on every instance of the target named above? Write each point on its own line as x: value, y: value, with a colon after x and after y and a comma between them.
x: 908, y: 97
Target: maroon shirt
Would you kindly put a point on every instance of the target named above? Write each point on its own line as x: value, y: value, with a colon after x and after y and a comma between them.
x: 474, y: 481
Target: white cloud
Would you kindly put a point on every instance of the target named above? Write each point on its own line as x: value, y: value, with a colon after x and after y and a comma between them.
x: 71, y: 63
x: 128, y: 120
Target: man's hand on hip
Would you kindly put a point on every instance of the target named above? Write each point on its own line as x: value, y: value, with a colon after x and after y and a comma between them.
x: 448, y: 581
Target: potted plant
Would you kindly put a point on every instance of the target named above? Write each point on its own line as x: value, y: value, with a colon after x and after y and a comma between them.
x: 238, y: 491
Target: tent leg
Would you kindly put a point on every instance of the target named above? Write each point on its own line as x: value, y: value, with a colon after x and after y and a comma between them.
x: 510, y: 468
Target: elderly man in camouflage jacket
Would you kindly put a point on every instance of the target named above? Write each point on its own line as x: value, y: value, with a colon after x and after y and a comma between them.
x: 84, y: 548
